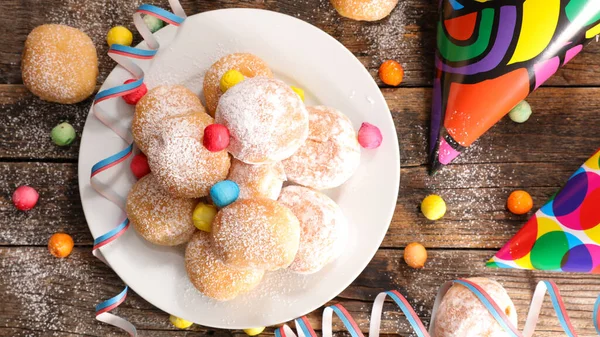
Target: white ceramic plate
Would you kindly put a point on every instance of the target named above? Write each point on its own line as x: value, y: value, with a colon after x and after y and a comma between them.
x: 302, y: 55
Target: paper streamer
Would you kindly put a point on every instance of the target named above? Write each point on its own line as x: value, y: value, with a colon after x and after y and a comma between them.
x: 303, y: 328
x: 124, y: 56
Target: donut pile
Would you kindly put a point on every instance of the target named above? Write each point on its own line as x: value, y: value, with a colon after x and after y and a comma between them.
x: 223, y: 169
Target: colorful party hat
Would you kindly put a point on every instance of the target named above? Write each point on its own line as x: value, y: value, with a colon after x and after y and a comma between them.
x: 491, y: 54
x: 563, y: 235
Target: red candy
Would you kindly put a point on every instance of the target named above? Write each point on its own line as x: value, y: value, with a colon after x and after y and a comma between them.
x: 216, y: 137
x: 133, y: 97
x: 25, y: 197
x: 139, y: 165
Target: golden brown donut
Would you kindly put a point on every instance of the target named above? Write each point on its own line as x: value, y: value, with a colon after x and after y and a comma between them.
x: 158, y: 217
x: 256, y: 233
x: 182, y: 165
x: 323, y: 228
x: 364, y: 10
x: 266, y: 119
x: 257, y: 181
x: 249, y: 65
x: 461, y: 313
x: 159, y: 103
x: 330, y: 155
x: 59, y: 64
x: 211, y: 276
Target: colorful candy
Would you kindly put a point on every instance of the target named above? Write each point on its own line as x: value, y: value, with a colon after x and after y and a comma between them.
x: 63, y: 134
x: 415, y: 255
x: 391, y: 73
x: 119, y: 35
x: 25, y: 197
x: 139, y: 165
x: 180, y: 323
x: 433, y: 207
x: 299, y: 91
x: 224, y: 193
x: 216, y: 137
x: 520, y: 113
x: 519, y: 202
x: 230, y: 79
x: 60, y: 245
x: 254, y: 331
x: 369, y: 136
x: 153, y: 23
x: 203, y: 216
x: 133, y: 97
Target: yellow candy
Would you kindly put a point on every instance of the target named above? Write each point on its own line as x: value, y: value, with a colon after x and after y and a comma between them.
x: 119, y: 35
x: 299, y: 91
x: 254, y: 331
x: 180, y: 323
x: 229, y: 79
x: 203, y: 216
x: 433, y: 207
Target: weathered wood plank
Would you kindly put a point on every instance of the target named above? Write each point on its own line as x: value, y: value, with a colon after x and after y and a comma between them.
x: 44, y: 294
x: 475, y: 195
x: 408, y: 35
x: 560, y: 130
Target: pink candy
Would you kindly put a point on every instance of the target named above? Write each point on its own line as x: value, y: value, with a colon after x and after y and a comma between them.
x: 25, y: 197
x: 369, y: 136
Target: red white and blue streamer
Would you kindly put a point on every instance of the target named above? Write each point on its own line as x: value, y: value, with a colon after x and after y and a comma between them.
x: 126, y: 57
x: 304, y: 329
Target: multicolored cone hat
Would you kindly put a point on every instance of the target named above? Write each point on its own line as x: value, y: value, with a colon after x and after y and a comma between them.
x: 491, y: 54
x: 563, y: 235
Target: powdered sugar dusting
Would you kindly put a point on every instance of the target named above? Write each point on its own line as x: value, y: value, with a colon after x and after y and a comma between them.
x: 257, y: 181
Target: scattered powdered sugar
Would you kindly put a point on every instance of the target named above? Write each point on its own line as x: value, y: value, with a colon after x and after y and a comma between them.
x: 267, y: 120
x: 323, y: 228
x: 256, y: 181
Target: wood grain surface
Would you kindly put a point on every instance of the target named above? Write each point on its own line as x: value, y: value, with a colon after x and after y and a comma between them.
x: 43, y: 296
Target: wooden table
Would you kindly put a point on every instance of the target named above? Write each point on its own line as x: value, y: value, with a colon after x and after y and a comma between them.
x: 44, y: 296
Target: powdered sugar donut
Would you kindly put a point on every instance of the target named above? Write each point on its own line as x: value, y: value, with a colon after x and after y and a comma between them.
x: 461, y: 313
x: 211, y: 276
x: 323, y: 228
x: 158, y: 217
x: 330, y: 155
x: 182, y: 165
x: 159, y: 103
x: 364, y: 10
x: 247, y: 64
x: 257, y: 181
x: 256, y: 233
x: 266, y: 119
x: 59, y: 64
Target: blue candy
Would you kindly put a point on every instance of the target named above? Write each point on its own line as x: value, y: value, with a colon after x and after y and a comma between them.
x: 224, y: 193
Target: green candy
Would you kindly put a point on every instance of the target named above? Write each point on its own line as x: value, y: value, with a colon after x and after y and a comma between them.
x: 520, y: 113
x: 153, y: 23
x: 63, y: 134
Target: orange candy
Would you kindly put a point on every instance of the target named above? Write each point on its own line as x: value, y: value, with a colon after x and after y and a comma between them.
x: 415, y: 255
x: 60, y: 245
x: 519, y: 202
x: 391, y: 73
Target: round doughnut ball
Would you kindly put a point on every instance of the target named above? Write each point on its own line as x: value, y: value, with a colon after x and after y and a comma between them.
x: 211, y: 276
x: 256, y: 233
x: 247, y: 64
x: 323, y: 228
x: 158, y: 217
x: 267, y: 120
x: 159, y: 103
x: 461, y: 313
x: 364, y: 10
x: 330, y: 155
x: 59, y: 64
x: 257, y: 181
x: 182, y: 165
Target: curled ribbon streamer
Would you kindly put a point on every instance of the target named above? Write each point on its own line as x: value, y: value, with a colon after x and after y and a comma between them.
x: 124, y: 56
x: 304, y: 329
